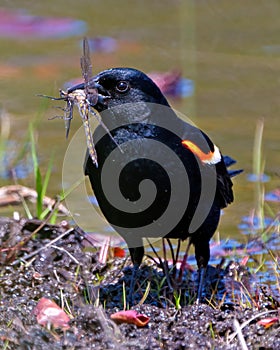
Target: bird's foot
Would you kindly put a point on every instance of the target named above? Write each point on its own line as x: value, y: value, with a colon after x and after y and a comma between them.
x: 201, y: 280
x: 130, y: 297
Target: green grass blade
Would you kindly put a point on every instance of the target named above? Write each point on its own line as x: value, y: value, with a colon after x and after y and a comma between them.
x: 37, y: 173
x: 47, y: 175
x: 39, y: 204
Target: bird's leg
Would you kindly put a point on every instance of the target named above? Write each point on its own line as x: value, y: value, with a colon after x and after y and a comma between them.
x: 201, y: 277
x: 183, y: 264
x: 130, y: 297
x: 202, y: 255
x: 136, y: 254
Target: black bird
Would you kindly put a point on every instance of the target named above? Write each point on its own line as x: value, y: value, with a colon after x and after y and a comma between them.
x: 157, y: 175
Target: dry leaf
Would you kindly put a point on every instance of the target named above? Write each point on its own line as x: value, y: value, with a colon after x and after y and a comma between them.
x: 131, y: 316
x: 268, y: 322
x: 48, y: 312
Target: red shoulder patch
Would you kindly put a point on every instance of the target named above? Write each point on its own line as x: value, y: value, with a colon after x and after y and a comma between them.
x: 207, y: 158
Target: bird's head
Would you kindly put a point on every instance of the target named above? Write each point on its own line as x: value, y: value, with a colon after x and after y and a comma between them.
x: 118, y: 86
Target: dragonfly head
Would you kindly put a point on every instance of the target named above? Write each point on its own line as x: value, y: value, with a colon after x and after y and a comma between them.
x: 96, y: 95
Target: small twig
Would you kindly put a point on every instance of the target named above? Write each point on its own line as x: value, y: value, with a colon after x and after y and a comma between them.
x: 17, y: 194
x: 160, y: 263
x: 154, y: 260
x: 165, y: 266
x: 33, y: 233
x: 244, y: 324
x: 56, y: 275
x: 65, y: 251
x: 238, y: 330
x: 111, y: 332
x: 28, y: 256
x: 184, y: 262
x: 178, y: 250
x: 172, y: 251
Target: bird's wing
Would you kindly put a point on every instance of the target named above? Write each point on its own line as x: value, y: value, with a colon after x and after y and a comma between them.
x: 224, y: 184
x: 212, y: 158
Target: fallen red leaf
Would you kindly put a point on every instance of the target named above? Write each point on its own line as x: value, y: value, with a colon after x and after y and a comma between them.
x: 244, y: 260
x: 48, y: 312
x: 119, y: 252
x: 131, y: 316
x: 268, y: 322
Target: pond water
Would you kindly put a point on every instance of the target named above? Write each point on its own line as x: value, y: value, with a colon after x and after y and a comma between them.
x: 229, y: 50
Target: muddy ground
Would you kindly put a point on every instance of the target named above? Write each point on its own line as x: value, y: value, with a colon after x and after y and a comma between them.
x: 62, y: 264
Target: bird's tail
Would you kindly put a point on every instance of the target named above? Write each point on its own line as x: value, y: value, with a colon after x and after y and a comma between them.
x: 229, y: 162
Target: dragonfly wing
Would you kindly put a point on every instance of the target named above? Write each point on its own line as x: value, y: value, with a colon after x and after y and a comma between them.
x: 86, y: 66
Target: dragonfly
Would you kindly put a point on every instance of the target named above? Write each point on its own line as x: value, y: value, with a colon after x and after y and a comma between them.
x: 85, y: 99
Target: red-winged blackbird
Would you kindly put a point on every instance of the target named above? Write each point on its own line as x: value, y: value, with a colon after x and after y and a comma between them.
x: 152, y: 153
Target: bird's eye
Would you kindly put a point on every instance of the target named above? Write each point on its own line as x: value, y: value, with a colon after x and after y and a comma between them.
x: 122, y: 86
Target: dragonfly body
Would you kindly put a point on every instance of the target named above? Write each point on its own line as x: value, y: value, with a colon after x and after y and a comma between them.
x: 79, y: 98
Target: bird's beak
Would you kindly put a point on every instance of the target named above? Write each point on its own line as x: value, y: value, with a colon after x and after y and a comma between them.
x: 98, y: 96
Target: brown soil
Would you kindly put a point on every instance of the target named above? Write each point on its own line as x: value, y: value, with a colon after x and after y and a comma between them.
x: 67, y: 271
